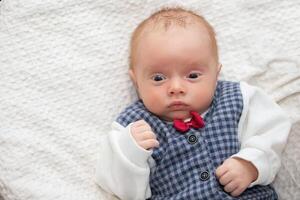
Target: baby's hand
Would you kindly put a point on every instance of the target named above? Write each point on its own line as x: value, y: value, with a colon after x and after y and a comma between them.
x: 236, y: 174
x: 143, y: 135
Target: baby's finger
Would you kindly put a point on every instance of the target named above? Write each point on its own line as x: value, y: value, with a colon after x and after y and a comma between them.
x: 149, y: 144
x: 220, y: 171
x: 237, y: 191
x: 148, y: 135
x: 144, y: 135
x: 230, y: 187
x: 141, y: 124
x: 141, y: 130
x: 225, y: 178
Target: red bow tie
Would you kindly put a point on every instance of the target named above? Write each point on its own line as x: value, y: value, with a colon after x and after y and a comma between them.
x: 195, y: 122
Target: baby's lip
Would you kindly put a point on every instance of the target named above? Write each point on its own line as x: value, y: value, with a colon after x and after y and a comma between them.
x: 177, y: 104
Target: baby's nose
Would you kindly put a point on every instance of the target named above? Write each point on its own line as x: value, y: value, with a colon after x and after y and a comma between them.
x: 176, y: 87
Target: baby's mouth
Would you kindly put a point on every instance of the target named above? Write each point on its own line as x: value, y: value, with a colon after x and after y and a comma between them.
x: 177, y: 105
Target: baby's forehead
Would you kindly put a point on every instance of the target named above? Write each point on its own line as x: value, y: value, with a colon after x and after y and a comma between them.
x: 166, y: 19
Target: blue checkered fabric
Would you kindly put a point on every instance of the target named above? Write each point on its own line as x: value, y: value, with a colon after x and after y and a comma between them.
x: 186, y: 163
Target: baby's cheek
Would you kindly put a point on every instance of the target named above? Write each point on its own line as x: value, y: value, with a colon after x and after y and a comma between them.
x: 202, y: 100
x: 153, y: 104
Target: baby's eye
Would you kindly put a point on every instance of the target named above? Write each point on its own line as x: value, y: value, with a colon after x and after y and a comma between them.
x: 194, y: 75
x: 158, y: 77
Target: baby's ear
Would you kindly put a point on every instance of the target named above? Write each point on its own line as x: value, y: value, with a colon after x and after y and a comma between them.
x: 133, y: 77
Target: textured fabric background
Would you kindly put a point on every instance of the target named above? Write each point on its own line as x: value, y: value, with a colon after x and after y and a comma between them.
x: 63, y: 79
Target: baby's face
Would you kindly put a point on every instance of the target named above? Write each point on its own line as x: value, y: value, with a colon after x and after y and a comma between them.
x: 175, y: 71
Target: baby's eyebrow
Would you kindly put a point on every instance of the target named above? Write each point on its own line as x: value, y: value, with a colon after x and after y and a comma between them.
x: 197, y: 63
x: 152, y: 70
x: 156, y: 68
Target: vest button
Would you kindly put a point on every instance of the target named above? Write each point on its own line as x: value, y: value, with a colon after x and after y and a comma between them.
x: 204, y: 176
x: 192, y: 139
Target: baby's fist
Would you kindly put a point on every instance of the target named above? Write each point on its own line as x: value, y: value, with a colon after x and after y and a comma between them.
x: 236, y: 174
x: 143, y: 135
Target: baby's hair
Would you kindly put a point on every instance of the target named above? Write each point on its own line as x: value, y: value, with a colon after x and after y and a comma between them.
x: 165, y: 18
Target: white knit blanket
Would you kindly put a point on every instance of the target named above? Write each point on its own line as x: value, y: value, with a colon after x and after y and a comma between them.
x: 63, y: 79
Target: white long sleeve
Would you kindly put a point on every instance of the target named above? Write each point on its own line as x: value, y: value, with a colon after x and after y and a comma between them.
x: 123, y: 167
x: 263, y: 132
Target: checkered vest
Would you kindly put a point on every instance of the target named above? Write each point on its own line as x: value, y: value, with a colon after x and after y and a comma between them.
x: 186, y: 163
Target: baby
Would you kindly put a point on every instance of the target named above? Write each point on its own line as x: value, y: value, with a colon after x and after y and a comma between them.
x: 190, y: 136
